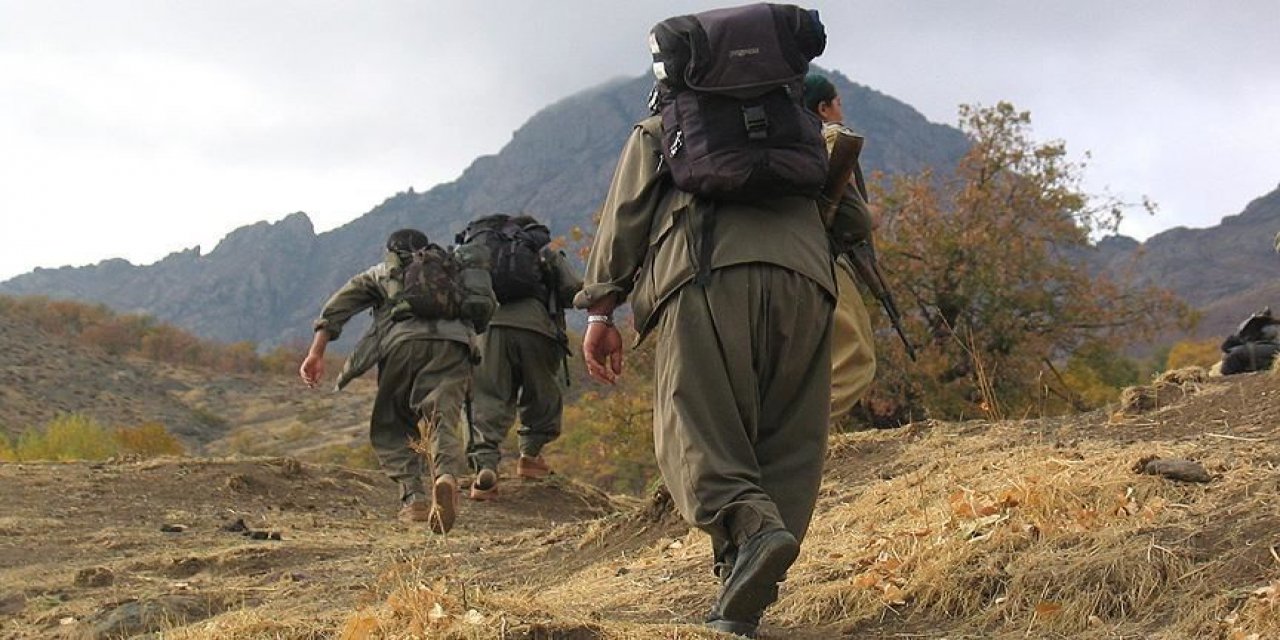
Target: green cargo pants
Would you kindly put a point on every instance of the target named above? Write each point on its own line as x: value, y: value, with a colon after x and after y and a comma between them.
x: 420, y: 380
x: 519, y: 370
x: 741, y: 402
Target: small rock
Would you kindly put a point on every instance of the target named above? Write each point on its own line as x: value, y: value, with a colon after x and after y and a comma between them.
x: 173, y: 528
x: 235, y: 527
x: 291, y: 468
x: 622, y: 571
x: 12, y: 604
x: 1174, y: 469
x: 240, y: 483
x: 95, y: 577
x: 148, y: 616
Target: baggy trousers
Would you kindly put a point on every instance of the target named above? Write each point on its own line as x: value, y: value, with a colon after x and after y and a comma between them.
x: 741, y: 402
x: 420, y: 380
x: 519, y: 369
x: 853, y: 355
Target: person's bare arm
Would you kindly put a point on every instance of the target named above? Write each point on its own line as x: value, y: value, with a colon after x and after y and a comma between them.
x: 312, y: 369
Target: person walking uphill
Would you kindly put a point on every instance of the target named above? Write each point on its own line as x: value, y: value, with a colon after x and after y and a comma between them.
x: 853, y: 356
x: 730, y: 265
x: 524, y: 350
x: 427, y: 304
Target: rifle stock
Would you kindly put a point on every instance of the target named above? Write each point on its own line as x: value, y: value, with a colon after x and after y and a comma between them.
x: 840, y: 170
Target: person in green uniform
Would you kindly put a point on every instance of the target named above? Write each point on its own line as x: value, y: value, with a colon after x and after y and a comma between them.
x: 853, y: 356
x: 521, y: 370
x: 742, y: 365
x: 424, y: 368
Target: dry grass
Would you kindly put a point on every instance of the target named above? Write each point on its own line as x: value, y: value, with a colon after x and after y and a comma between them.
x: 998, y: 534
x: 1013, y: 529
x: 1169, y: 388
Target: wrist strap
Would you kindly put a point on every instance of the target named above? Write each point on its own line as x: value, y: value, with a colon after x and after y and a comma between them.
x: 600, y: 319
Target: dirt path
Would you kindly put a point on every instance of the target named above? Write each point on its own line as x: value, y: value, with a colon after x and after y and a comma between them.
x: 80, y: 542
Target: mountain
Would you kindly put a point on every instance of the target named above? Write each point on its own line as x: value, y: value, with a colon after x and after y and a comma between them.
x: 266, y: 281
x: 1226, y: 271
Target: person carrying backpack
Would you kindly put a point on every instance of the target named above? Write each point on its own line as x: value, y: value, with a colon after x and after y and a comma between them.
x: 712, y: 232
x: 427, y: 304
x: 1254, y: 345
x: 524, y: 350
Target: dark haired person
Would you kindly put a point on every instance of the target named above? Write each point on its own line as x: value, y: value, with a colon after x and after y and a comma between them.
x: 424, y: 367
x: 853, y: 356
x: 521, y: 366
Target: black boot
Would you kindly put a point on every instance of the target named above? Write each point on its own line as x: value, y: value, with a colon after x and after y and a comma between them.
x: 753, y: 584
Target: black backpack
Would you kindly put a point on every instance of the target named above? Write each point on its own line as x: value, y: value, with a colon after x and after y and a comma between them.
x: 730, y: 93
x: 516, y: 266
x: 430, y: 285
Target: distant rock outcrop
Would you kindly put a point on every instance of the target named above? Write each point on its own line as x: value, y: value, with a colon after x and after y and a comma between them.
x: 265, y: 282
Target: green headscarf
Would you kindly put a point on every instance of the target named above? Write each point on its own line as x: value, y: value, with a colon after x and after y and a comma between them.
x: 817, y: 90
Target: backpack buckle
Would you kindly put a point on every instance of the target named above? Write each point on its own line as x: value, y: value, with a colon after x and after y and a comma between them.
x: 756, y: 121
x: 677, y: 144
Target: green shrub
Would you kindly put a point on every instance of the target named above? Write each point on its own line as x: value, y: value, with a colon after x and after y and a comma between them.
x: 7, y: 453
x: 67, y: 437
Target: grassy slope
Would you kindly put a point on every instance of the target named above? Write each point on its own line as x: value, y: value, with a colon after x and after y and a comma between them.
x: 1036, y: 528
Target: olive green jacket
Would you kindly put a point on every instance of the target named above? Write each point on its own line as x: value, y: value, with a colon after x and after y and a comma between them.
x: 649, y: 241
x: 544, y: 317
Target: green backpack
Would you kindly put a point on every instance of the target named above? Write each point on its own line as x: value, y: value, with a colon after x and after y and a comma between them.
x: 430, y: 285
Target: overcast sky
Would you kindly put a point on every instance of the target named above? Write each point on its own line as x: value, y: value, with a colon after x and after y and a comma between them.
x: 134, y: 129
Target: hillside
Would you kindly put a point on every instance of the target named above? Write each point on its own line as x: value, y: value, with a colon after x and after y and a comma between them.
x: 1227, y: 271
x: 265, y: 282
x: 1032, y: 528
x: 47, y: 374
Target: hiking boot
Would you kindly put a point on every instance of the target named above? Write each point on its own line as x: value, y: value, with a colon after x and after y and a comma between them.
x: 753, y: 583
x: 485, y: 486
x: 414, y: 509
x: 742, y: 628
x: 532, y: 467
x: 444, y: 504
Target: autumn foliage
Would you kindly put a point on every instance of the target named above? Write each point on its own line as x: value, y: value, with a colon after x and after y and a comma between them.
x: 989, y: 266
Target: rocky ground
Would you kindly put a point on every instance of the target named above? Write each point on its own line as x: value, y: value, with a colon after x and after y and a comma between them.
x: 1033, y: 528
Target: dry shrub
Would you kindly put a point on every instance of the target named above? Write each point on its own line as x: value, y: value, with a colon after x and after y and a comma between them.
x: 1170, y: 387
x: 1259, y: 617
x: 148, y: 440
x: 1183, y: 376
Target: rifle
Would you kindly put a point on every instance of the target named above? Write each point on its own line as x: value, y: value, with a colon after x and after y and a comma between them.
x: 863, y: 258
x: 843, y: 168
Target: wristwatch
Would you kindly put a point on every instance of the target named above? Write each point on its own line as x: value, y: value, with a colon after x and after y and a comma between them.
x: 600, y: 319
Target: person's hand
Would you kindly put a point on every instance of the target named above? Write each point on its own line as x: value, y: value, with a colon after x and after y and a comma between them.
x: 312, y: 370
x: 602, y: 349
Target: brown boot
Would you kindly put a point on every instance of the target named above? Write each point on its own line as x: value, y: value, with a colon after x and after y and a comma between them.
x: 485, y: 486
x: 415, y: 509
x: 532, y: 467
x: 444, y: 507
